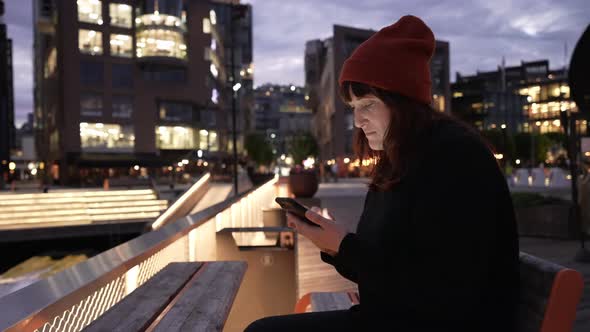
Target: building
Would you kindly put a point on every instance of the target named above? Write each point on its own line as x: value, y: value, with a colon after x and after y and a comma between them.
x: 332, y: 123
x: 120, y: 83
x: 523, y: 98
x: 7, y: 130
x: 280, y: 113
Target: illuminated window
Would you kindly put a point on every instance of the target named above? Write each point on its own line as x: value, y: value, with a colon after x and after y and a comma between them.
x: 121, y: 45
x: 122, y: 107
x: 90, y: 41
x: 206, y: 25
x: 90, y: 11
x: 159, y: 19
x: 178, y: 138
x: 160, y: 42
x: 203, y: 139
x: 177, y: 112
x: 120, y: 15
x: 50, y: 64
x: 91, y: 104
x: 100, y: 137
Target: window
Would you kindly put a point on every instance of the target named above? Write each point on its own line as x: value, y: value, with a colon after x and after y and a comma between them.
x: 179, y: 138
x: 90, y: 42
x: 90, y: 11
x: 91, y: 73
x: 100, y: 137
x: 162, y: 73
x: 206, y: 25
x: 121, y: 45
x: 160, y: 42
x: 90, y: 104
x: 122, y: 75
x: 120, y: 15
x: 177, y: 112
x: 122, y: 107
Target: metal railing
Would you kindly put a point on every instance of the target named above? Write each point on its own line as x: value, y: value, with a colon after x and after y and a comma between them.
x: 73, y: 298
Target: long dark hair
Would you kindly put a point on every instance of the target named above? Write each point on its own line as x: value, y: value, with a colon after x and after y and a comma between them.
x: 402, y: 144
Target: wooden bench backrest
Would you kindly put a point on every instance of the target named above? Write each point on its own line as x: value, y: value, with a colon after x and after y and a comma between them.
x: 549, y: 295
x: 181, y: 297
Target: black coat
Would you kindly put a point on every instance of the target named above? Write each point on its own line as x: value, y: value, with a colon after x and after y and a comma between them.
x: 438, y: 252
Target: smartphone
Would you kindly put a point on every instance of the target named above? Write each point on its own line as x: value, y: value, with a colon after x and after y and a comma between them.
x: 291, y: 205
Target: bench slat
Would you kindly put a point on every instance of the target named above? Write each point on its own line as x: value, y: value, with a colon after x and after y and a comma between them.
x: 206, y: 301
x: 136, y: 311
x: 328, y: 301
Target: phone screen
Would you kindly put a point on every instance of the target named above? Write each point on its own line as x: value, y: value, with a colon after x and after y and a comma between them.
x: 294, y: 207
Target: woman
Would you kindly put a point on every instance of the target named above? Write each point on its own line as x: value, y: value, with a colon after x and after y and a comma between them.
x: 436, y: 248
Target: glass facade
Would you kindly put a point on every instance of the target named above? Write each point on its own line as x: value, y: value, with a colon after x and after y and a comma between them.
x: 120, y: 15
x: 122, y: 75
x: 161, y: 42
x: 121, y: 45
x: 90, y: 11
x: 208, y: 140
x: 122, y: 107
x: 91, y: 104
x: 175, y: 138
x: 90, y: 42
x: 91, y: 73
x: 100, y: 137
x: 177, y: 112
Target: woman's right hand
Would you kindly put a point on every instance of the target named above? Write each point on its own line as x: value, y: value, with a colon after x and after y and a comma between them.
x: 327, y: 236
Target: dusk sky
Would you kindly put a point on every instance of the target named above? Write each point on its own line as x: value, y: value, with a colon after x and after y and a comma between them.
x: 480, y: 32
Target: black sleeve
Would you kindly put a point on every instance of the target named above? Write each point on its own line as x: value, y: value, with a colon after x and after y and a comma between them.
x: 347, y: 260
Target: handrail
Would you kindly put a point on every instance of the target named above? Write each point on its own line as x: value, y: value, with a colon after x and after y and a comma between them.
x: 62, y: 295
x: 194, y: 193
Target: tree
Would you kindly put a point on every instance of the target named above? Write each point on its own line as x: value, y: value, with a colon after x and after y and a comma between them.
x: 523, y: 143
x: 302, y: 146
x: 259, y: 150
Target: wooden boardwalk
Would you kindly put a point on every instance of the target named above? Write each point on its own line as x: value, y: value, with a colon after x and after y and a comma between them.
x: 313, y: 274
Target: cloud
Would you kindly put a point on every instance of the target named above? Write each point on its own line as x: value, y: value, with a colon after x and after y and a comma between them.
x: 480, y: 33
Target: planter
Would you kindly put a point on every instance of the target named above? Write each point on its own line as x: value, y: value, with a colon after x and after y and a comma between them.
x: 551, y: 221
x: 303, y: 183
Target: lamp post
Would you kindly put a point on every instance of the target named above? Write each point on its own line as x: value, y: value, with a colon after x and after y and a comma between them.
x: 236, y: 13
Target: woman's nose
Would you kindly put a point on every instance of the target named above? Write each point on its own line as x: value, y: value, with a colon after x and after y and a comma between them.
x: 359, y: 120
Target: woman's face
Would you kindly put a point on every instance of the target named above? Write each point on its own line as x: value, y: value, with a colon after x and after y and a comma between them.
x: 372, y: 116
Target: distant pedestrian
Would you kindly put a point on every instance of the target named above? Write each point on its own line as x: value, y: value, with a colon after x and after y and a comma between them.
x: 334, y: 171
x: 436, y: 247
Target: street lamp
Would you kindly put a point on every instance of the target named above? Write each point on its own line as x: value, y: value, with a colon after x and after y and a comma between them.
x: 236, y: 13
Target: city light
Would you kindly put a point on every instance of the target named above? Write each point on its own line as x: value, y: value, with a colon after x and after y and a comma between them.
x: 205, y: 164
x: 136, y: 167
x: 293, y: 88
x: 30, y: 166
x: 587, y: 154
x: 499, y: 156
x: 288, y: 160
x: 503, y: 126
x: 200, y: 153
x: 517, y: 161
x: 346, y: 160
x: 185, y: 161
x: 237, y: 87
x: 180, y: 164
x: 12, y: 166
x: 306, y: 97
x: 283, y: 157
x: 273, y: 135
x: 34, y: 171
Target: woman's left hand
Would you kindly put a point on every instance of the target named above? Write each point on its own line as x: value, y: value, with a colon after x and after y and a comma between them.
x: 327, y: 236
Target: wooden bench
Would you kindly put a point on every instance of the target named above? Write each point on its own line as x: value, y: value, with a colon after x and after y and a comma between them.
x: 181, y: 297
x: 549, y: 295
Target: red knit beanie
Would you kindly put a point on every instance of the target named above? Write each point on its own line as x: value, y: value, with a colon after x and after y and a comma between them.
x: 396, y: 59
